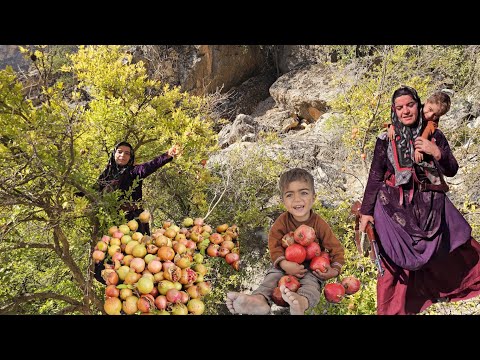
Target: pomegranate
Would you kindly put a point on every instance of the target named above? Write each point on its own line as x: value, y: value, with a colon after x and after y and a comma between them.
x: 146, y: 303
x: 187, y: 222
x: 204, y: 287
x: 319, y: 263
x: 196, y: 306
x: 111, y: 277
x: 288, y: 239
x: 222, y: 251
x: 198, y: 221
x: 216, y: 238
x: 133, y: 225
x: 125, y: 293
x: 98, y: 256
x: 290, y: 281
x: 313, y: 250
x: 212, y: 250
x: 228, y: 244
x: 144, y: 216
x: 184, y: 297
x: 166, y: 253
x: 102, y: 246
x: 277, y: 297
x: 161, y: 302
x: 137, y: 264
x: 325, y: 255
x: 112, y: 230
x: 165, y: 285
x: 222, y: 228
x: 112, y: 306
x: 112, y: 291
x: 334, y: 292
x: 193, y: 292
x: 304, y: 235
x: 179, y: 309
x: 235, y: 265
x: 351, y: 284
x: 231, y: 257
x: 188, y: 276
x: 295, y: 253
x: 154, y: 266
x: 173, y: 296
x: 131, y: 278
x: 129, y: 306
x: 144, y: 285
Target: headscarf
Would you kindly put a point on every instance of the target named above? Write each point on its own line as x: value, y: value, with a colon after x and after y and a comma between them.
x: 111, y: 177
x: 401, y: 150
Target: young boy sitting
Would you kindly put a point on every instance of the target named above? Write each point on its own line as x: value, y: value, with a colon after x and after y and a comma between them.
x: 298, y: 195
x: 436, y: 105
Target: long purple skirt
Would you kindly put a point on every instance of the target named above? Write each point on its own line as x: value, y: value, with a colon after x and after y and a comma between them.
x: 427, y: 252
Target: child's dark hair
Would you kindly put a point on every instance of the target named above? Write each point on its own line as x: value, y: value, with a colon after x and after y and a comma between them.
x: 295, y: 174
x: 442, y: 99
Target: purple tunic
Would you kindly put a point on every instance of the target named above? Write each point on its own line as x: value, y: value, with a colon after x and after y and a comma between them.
x: 142, y: 171
x: 413, y: 233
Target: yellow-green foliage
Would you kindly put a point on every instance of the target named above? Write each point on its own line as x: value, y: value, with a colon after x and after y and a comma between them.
x: 55, y: 141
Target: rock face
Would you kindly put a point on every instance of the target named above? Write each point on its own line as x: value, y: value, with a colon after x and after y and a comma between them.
x: 9, y: 55
x: 306, y: 91
x: 222, y: 67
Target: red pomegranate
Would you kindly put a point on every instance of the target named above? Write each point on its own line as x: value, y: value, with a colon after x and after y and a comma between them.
x: 288, y: 239
x: 290, y: 281
x: 351, y: 284
x: 334, y: 292
x: 313, y: 250
x: 319, y: 263
x: 295, y: 253
x: 325, y: 254
x: 277, y: 297
x: 304, y: 235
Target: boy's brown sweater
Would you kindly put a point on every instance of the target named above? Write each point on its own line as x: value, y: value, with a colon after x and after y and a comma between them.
x: 325, y: 237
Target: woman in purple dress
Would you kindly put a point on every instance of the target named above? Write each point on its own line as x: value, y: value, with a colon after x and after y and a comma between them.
x: 426, y: 246
x: 120, y: 174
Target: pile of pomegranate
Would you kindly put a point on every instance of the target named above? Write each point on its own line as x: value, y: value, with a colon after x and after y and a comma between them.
x: 300, y: 246
x: 162, y: 273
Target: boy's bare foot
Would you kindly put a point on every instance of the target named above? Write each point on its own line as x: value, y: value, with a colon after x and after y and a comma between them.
x: 239, y: 303
x: 298, y: 303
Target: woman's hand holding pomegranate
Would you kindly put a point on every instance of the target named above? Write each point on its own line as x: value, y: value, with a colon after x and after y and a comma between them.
x: 330, y: 273
x: 175, y: 150
x: 292, y: 268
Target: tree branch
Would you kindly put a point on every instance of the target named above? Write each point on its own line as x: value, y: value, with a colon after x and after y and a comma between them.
x: 28, y: 297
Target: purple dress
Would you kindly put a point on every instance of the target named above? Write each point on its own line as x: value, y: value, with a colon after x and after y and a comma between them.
x: 418, y: 237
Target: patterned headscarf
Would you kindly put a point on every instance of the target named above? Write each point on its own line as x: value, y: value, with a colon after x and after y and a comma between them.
x: 401, y: 150
x: 111, y: 176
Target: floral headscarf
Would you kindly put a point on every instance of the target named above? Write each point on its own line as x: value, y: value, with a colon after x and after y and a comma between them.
x: 111, y: 176
x: 401, y: 149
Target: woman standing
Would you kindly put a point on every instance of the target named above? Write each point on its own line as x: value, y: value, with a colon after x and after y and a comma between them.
x: 120, y: 174
x: 426, y: 247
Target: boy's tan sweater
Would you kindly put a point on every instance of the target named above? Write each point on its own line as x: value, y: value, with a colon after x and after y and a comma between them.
x: 325, y: 237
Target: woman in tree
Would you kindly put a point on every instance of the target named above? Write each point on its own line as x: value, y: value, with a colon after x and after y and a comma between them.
x: 426, y: 246
x: 121, y: 173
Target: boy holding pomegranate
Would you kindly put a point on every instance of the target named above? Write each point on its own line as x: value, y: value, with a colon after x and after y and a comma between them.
x: 298, y: 195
